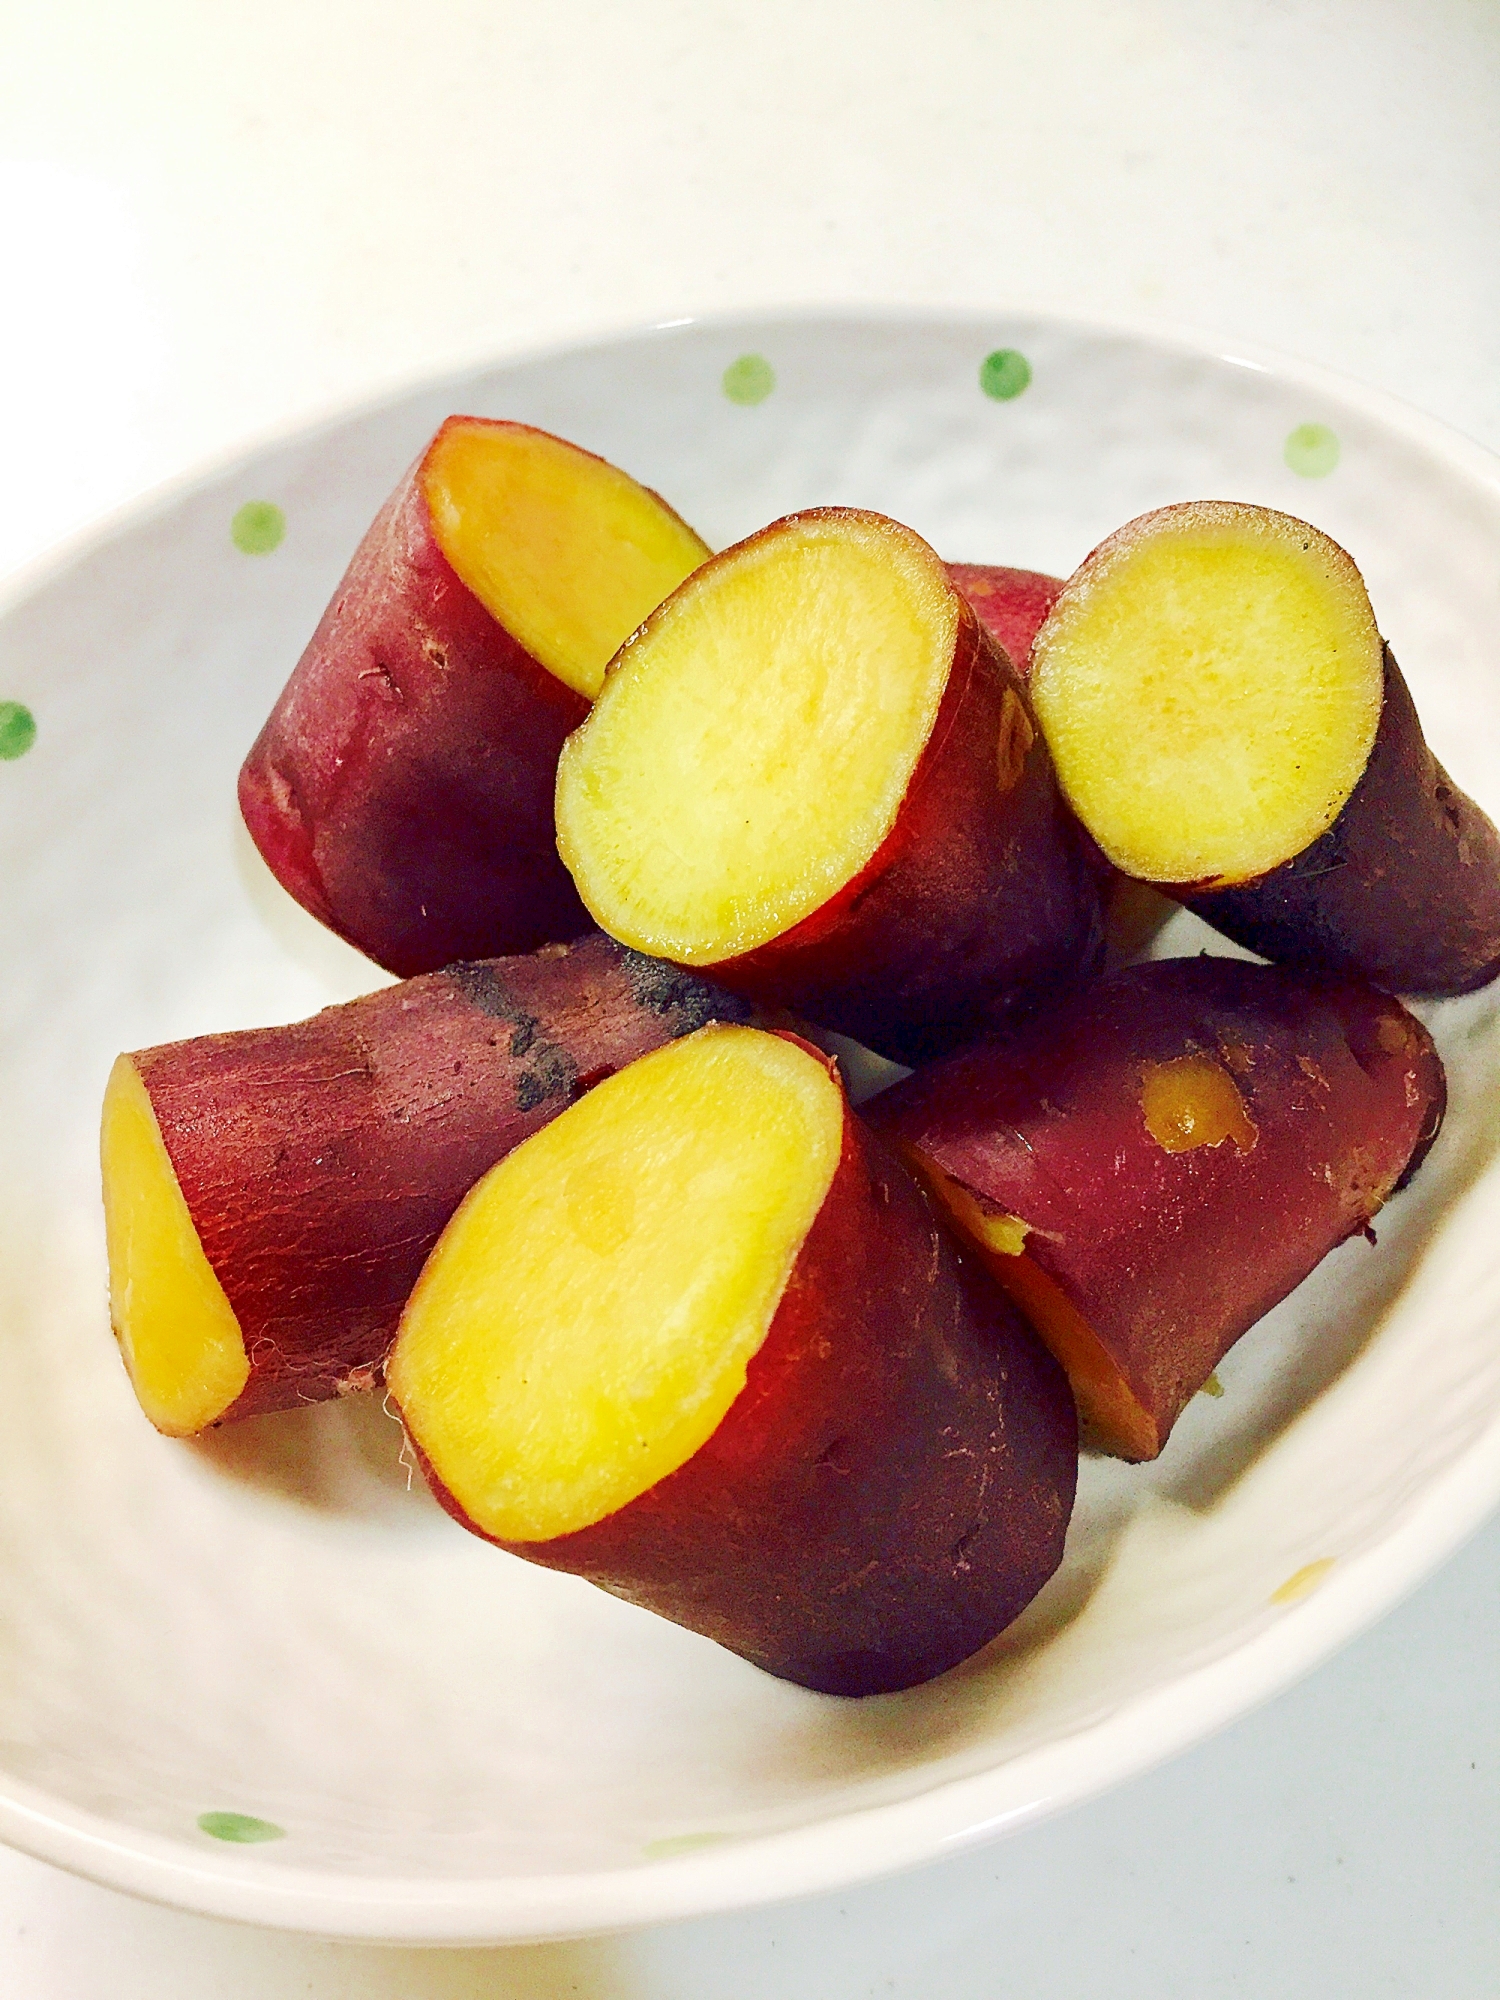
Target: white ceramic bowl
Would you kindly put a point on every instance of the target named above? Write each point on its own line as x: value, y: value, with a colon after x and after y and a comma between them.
x: 272, y: 1623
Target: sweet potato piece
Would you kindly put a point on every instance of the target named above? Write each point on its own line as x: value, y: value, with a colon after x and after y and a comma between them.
x: 1156, y: 1164
x: 1404, y: 888
x: 1228, y: 725
x: 1012, y: 605
x: 270, y: 1196
x: 702, y: 1343
x: 401, y: 790
x: 814, y: 773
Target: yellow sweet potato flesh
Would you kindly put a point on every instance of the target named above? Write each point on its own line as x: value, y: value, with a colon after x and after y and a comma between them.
x: 752, y: 748
x: 1210, y: 684
x: 567, y: 552
x: 588, y: 1316
x: 179, y: 1336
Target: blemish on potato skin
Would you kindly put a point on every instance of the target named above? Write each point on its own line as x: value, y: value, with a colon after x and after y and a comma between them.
x: 1360, y: 1184
x: 959, y: 1555
x: 666, y: 989
x: 1193, y: 1101
x: 1238, y: 1056
x: 1393, y: 1035
x: 552, y: 1073
x: 834, y: 1457
x: 384, y: 674
x: 1015, y: 739
x: 550, y: 1070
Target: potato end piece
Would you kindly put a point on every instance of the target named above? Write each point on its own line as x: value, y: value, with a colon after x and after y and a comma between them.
x: 753, y: 745
x: 1209, y: 683
x: 563, y: 549
x: 588, y: 1316
x: 1113, y: 1417
x: 1403, y: 889
x: 178, y: 1334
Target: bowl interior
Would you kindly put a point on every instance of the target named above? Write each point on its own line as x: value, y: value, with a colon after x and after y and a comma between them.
x: 277, y: 1622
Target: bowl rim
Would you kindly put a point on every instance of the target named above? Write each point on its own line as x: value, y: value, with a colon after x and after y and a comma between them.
x: 862, y: 1842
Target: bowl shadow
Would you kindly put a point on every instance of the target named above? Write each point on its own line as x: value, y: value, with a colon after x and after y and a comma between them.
x: 343, y: 1457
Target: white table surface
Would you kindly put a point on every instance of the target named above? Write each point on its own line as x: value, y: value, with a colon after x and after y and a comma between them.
x: 217, y: 220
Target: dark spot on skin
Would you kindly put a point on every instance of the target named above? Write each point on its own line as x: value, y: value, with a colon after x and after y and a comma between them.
x: 437, y: 654
x: 960, y: 1553
x: 382, y: 671
x: 483, y: 988
x: 551, y: 1073
x: 835, y: 1457
x: 666, y: 989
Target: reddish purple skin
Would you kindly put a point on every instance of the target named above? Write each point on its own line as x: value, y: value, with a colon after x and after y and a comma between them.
x: 1170, y: 1257
x: 321, y: 1161
x: 982, y: 902
x: 1403, y: 889
x: 1012, y: 605
x: 891, y: 1487
x: 402, y: 788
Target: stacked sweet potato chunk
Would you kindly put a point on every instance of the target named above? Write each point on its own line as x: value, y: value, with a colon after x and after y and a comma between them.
x: 637, y: 824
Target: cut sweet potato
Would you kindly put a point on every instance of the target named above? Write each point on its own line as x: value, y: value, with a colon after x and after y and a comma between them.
x: 1404, y: 888
x: 401, y: 790
x: 1156, y: 1164
x: 813, y: 772
x: 270, y: 1196
x: 1228, y: 725
x: 701, y: 1342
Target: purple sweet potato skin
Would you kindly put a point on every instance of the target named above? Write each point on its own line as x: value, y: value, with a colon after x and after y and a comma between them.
x: 1012, y: 605
x: 1171, y: 1256
x: 321, y: 1161
x: 983, y: 902
x: 401, y: 789
x: 1403, y: 889
x: 894, y: 1482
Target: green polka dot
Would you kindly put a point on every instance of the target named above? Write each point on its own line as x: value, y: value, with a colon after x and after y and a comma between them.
x: 749, y: 380
x: 258, y: 527
x: 1004, y: 374
x: 239, y: 1827
x: 17, y: 730
x: 1311, y: 450
x: 681, y: 1843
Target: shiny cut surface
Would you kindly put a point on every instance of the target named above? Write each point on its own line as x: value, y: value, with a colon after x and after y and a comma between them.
x: 753, y: 745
